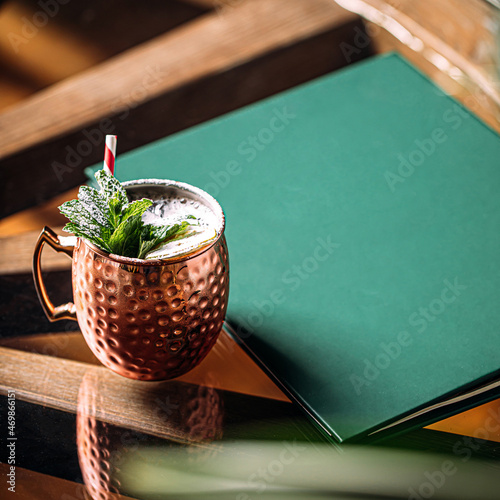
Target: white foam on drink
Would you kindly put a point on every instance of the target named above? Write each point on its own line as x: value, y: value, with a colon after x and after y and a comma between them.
x: 173, y: 210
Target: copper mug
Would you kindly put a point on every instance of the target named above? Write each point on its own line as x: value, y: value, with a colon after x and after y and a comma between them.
x: 145, y: 319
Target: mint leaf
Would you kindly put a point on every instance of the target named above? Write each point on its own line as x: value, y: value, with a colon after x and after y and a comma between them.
x: 76, y: 212
x: 124, y: 239
x: 70, y: 227
x: 111, y: 187
x: 154, y: 236
x: 95, y: 205
x: 164, y: 233
x: 115, y: 210
x: 107, y: 219
x: 137, y: 207
x: 181, y: 235
x: 145, y: 247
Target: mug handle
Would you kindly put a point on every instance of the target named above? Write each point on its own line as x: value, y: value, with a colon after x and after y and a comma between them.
x: 64, y: 311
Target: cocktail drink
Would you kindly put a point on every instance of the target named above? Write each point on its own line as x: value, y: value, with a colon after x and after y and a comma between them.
x: 156, y: 317
x: 173, y: 205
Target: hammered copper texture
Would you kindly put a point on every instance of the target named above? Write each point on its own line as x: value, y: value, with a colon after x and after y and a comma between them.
x: 150, y: 321
x: 194, y: 414
x: 95, y: 446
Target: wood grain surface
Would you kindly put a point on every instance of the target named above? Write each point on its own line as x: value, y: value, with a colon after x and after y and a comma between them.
x: 16, y: 254
x: 208, y: 45
x: 158, y: 409
x: 31, y: 485
x: 214, y: 64
x: 227, y: 367
x: 75, y: 37
x: 454, y: 42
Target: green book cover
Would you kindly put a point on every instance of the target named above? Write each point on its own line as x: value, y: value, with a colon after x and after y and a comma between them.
x: 363, y: 226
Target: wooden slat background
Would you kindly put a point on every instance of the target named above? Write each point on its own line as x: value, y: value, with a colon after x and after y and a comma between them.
x: 212, y: 65
x: 16, y: 254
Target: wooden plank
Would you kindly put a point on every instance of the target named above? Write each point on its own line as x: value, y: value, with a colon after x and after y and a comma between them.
x: 64, y: 40
x: 66, y: 345
x: 16, y: 254
x: 45, y: 60
x: 227, y: 367
x: 203, y: 69
x: 201, y: 47
x: 35, y: 218
x: 32, y: 485
x: 458, y: 50
x: 468, y: 422
x: 212, y: 3
x: 96, y: 392
x: 221, y: 5
x: 464, y: 26
x: 93, y: 390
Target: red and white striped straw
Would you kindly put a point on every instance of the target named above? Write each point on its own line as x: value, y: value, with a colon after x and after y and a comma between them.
x: 109, y: 154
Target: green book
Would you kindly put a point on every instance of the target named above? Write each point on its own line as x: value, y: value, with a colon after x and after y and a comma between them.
x: 363, y: 225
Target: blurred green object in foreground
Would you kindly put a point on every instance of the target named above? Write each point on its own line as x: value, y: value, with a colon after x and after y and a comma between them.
x: 292, y: 470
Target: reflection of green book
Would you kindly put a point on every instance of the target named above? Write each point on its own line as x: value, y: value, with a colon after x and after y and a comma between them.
x: 363, y: 226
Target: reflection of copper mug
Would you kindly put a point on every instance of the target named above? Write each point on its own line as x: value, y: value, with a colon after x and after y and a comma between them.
x: 110, y: 427
x: 146, y: 319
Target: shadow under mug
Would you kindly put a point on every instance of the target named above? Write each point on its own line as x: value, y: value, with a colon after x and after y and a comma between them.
x: 145, y: 319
